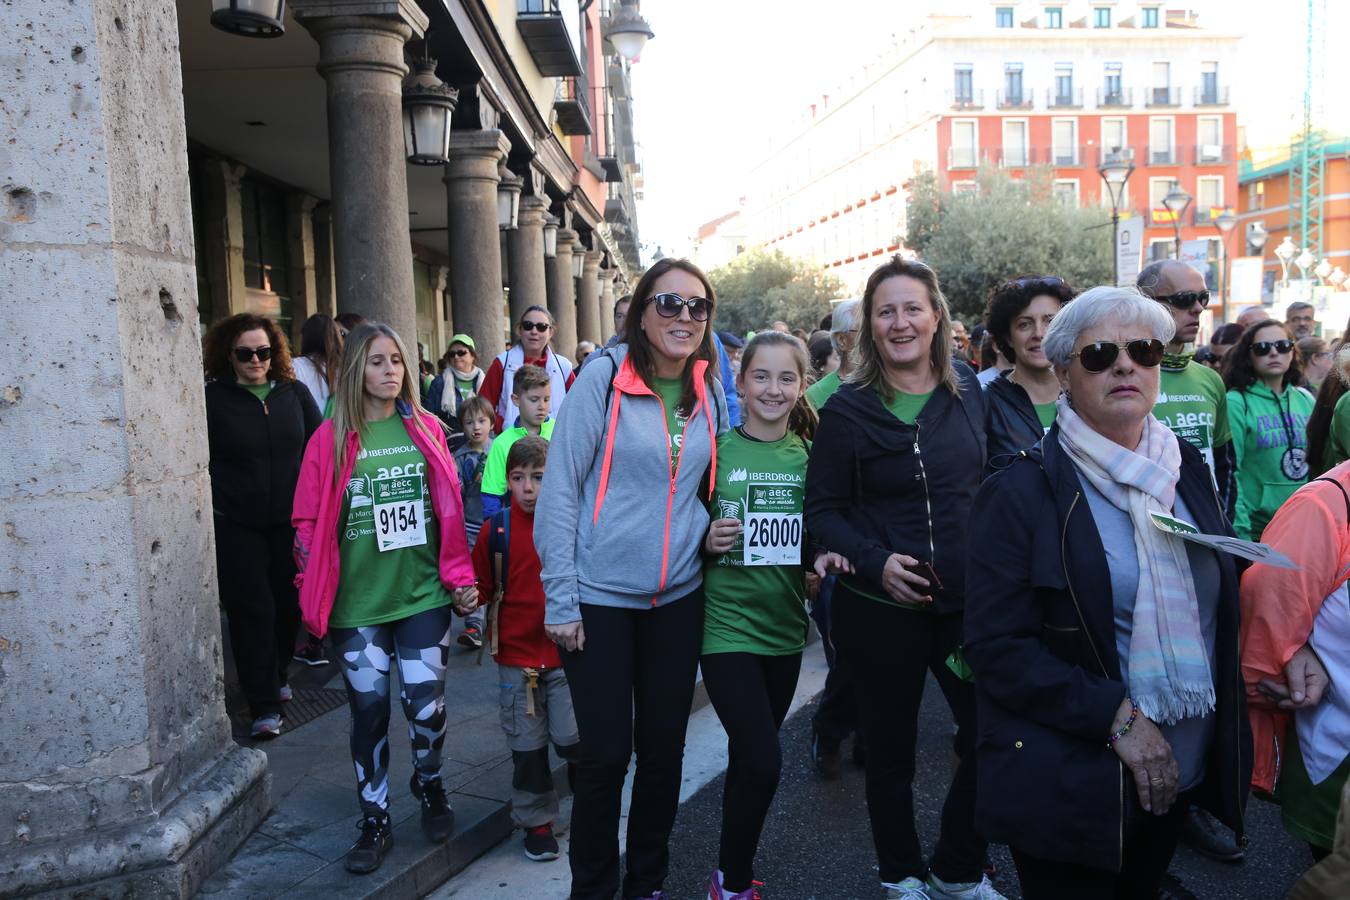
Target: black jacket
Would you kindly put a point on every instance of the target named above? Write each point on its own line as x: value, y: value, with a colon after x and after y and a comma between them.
x: 256, y: 448
x: 876, y: 486
x: 1012, y: 423
x: 1040, y: 635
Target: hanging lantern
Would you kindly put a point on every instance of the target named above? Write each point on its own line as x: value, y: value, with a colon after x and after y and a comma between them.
x: 578, y: 260
x: 508, y: 197
x: 628, y: 31
x: 428, y: 104
x: 550, y: 237
x: 250, y: 18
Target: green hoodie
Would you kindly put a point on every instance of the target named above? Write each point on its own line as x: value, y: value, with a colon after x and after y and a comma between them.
x: 1264, y: 429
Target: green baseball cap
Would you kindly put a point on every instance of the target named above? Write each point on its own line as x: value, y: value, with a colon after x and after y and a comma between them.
x: 465, y: 340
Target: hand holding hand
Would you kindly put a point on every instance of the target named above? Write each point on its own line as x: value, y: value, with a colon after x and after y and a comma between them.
x: 1305, y: 681
x: 569, y: 636
x: 900, y: 582
x: 1148, y: 756
x: 466, y: 599
x: 722, y: 534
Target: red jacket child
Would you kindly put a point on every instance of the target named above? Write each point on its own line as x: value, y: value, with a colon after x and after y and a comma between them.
x: 520, y: 622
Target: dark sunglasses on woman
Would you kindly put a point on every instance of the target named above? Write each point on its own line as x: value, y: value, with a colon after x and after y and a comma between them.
x: 535, y: 326
x: 1185, y: 299
x: 668, y: 306
x: 1263, y: 348
x: 459, y: 353
x: 244, y: 354
x: 1100, y: 356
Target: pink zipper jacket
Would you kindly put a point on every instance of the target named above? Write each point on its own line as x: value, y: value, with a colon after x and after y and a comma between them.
x: 318, y: 503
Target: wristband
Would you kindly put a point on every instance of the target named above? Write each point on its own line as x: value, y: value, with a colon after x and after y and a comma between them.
x: 1124, y: 729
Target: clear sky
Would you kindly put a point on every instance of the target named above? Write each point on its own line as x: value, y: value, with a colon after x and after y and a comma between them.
x: 721, y: 74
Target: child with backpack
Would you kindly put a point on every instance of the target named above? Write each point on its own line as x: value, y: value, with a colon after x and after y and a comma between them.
x: 536, y: 702
x: 531, y: 394
x: 475, y: 417
x: 754, y: 581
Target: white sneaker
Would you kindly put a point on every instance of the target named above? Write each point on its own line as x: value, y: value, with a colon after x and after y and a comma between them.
x: 909, y: 889
x: 971, y: 890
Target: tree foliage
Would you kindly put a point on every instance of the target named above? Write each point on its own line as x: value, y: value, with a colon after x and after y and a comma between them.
x: 759, y: 287
x: 1005, y: 228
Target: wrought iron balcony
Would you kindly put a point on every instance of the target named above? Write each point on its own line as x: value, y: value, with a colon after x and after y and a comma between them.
x: 973, y: 99
x: 1018, y: 100
x: 1162, y: 155
x: 962, y: 157
x: 541, y: 25
x: 1213, y: 154
x: 569, y: 104
x: 1057, y: 99
x: 1163, y: 96
x: 1119, y: 98
x: 1211, y: 95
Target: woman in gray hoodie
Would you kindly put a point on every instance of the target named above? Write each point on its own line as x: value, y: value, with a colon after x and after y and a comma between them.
x: 618, y: 528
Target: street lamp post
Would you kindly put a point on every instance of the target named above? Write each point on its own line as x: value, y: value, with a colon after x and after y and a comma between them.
x: 1304, y: 261
x: 1177, y: 202
x: 1285, y: 252
x: 1115, y: 172
x: 1224, y: 222
x: 1323, y: 270
x: 628, y: 31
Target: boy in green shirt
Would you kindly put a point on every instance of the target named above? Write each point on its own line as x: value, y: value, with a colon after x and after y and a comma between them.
x: 531, y: 392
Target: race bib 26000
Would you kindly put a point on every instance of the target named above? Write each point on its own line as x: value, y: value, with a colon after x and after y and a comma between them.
x: 772, y: 532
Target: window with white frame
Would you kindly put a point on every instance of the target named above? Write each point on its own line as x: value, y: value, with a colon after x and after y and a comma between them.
x: 1161, y: 151
x: 1113, y: 94
x: 1064, y: 138
x: 1162, y: 81
x: 1101, y: 17
x: 964, y: 90
x: 1063, y: 84
x: 1149, y: 17
x: 1208, y: 196
x: 1003, y: 17
x: 1208, y: 139
x: 1158, y: 189
x: 1113, y: 138
x: 1065, y: 191
x: 1209, y: 83
x: 964, y: 146
x: 1015, y: 142
x: 1054, y: 17
x: 1012, y: 84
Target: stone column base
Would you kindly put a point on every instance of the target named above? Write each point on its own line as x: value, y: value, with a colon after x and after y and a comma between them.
x: 168, y: 855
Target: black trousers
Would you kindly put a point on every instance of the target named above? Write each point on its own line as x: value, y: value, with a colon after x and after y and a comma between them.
x: 1149, y: 844
x: 751, y: 694
x: 836, y: 715
x: 632, y: 689
x: 890, y: 650
x: 256, y: 574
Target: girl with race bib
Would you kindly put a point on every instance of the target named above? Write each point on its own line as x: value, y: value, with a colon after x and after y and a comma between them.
x: 753, y: 581
x: 382, y: 555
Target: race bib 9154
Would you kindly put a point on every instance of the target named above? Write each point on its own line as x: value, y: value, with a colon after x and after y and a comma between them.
x: 399, y: 519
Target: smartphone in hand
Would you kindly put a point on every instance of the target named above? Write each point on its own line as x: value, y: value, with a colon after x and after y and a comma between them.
x: 925, y: 570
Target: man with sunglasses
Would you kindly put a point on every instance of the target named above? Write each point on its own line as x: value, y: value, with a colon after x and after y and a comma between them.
x: 1192, y: 399
x: 1193, y: 403
x: 531, y: 349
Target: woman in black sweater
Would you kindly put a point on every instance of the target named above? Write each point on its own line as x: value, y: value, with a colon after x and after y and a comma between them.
x: 258, y: 419
x: 894, y: 468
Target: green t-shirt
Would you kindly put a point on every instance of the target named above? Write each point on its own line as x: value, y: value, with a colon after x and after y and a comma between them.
x: 1046, y: 413
x: 670, y: 390
x: 383, y: 586
x: 752, y: 603
x: 905, y: 407
x: 494, y: 470
x: 822, y: 390
x: 258, y: 390
x: 1337, y: 449
x: 1193, y: 403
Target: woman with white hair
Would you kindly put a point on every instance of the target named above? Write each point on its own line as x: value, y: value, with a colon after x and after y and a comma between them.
x: 1103, y: 646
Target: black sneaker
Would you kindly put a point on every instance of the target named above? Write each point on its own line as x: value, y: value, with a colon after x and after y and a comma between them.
x: 438, y: 819
x: 377, y: 838
x: 1203, y: 833
x: 825, y: 755
x: 540, y: 844
x: 471, y: 637
x: 310, y: 652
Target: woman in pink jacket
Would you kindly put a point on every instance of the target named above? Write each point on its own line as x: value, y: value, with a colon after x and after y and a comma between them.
x: 382, y: 558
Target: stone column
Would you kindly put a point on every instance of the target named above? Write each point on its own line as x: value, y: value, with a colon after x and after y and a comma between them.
x: 562, y: 299
x: 325, y: 275
x: 526, y: 256
x: 223, y: 237
x: 607, y: 299
x: 588, y: 298
x: 118, y: 777
x: 475, y: 246
x: 361, y: 61
x: 300, y: 263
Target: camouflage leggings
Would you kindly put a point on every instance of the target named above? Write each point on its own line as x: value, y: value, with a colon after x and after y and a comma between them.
x: 423, y: 642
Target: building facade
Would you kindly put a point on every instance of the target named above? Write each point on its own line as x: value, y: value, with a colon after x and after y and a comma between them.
x: 157, y: 175
x: 1014, y: 85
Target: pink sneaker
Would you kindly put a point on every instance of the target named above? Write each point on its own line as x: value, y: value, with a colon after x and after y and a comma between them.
x: 717, y: 892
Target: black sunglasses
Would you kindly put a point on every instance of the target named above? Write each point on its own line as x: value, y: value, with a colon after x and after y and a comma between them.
x: 1098, y: 357
x: 535, y: 326
x: 244, y: 354
x: 1049, y: 281
x: 668, y: 306
x: 1185, y: 299
x: 1263, y: 348
x: 459, y: 352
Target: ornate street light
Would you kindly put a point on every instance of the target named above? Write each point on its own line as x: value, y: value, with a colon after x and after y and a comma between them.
x: 508, y: 197
x: 1305, y: 261
x: 1257, y: 236
x: 1177, y: 202
x: 550, y: 236
x: 1115, y: 172
x: 578, y: 260
x: 1323, y: 270
x: 1224, y: 221
x: 1337, y: 278
x: 1285, y: 252
x: 428, y: 104
x: 250, y: 18
x: 628, y: 31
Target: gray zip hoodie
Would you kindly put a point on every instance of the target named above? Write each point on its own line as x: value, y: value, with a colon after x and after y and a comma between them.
x: 638, y: 547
